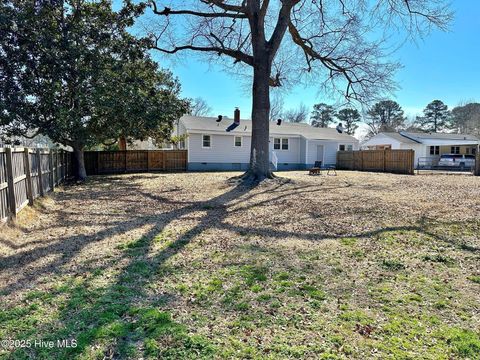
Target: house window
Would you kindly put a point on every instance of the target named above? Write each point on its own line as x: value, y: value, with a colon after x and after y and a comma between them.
x: 181, y: 145
x: 238, y: 141
x: 455, y: 150
x: 350, y: 147
x: 341, y: 147
x: 474, y: 151
x: 434, y: 150
x: 276, y: 143
x: 280, y: 143
x: 206, y: 141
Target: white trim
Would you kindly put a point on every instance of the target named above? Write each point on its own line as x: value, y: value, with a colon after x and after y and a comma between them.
x: 207, y: 147
x: 234, y: 141
x: 188, y: 147
x: 306, y: 151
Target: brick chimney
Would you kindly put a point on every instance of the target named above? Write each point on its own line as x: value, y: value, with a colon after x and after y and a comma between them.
x: 236, y: 116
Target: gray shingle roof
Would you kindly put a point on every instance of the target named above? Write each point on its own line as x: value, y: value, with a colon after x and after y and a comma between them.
x: 209, y: 124
x: 401, y: 138
x: 437, y: 136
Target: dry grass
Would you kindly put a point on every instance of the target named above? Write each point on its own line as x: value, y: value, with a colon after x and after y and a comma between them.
x: 359, y: 266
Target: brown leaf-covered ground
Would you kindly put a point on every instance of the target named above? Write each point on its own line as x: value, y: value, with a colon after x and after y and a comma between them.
x: 354, y: 266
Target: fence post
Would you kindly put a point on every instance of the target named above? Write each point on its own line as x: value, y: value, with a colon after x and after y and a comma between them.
x: 28, y: 173
x: 12, y: 204
x: 50, y: 164
x: 384, y: 159
x: 412, y: 162
x: 164, y: 161
x: 40, y: 175
x: 55, y: 165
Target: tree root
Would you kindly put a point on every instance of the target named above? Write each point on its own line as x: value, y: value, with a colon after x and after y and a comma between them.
x: 251, y: 179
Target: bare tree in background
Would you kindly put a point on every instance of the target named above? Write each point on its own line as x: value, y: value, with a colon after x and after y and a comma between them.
x: 297, y: 115
x: 276, y: 107
x: 199, y: 107
x: 326, y: 40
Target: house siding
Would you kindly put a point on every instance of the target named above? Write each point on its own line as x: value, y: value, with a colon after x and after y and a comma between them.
x: 222, y: 149
x: 381, y: 139
x: 224, y: 156
x: 330, y: 149
x: 303, y: 150
x: 290, y: 156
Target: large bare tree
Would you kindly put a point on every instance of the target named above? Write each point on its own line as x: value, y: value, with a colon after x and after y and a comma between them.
x: 328, y: 42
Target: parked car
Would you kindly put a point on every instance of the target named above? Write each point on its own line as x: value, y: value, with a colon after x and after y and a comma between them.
x: 457, y: 160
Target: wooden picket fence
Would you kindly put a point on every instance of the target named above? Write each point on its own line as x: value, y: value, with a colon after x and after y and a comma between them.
x: 114, y: 162
x: 26, y: 174
x: 391, y: 161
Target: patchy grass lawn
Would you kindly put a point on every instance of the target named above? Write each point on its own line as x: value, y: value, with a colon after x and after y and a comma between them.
x: 186, y: 266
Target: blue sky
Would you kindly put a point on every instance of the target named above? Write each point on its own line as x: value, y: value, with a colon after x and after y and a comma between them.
x: 444, y: 65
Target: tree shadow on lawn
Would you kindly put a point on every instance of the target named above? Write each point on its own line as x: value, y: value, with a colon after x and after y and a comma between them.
x: 112, y: 320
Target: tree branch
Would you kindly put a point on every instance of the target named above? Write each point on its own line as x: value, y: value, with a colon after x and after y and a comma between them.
x: 220, y: 3
x: 167, y: 11
x: 238, y: 55
x: 281, y: 27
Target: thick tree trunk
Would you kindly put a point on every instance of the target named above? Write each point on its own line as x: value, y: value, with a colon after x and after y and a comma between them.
x: 80, y: 163
x: 259, y: 153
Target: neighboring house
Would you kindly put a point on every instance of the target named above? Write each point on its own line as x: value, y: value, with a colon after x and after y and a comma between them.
x: 428, y: 147
x: 292, y: 146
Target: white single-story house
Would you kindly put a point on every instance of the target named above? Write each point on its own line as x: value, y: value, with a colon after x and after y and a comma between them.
x: 428, y: 147
x: 292, y: 146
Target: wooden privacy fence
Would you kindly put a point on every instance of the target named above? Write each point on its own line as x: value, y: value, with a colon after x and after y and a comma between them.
x: 26, y: 174
x: 112, y: 162
x: 392, y: 161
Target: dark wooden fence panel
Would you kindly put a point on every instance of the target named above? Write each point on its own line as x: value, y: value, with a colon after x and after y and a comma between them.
x: 393, y: 161
x: 114, y: 162
x: 26, y: 174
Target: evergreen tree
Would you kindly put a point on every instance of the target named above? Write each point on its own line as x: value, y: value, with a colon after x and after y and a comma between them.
x: 436, y: 117
x: 71, y: 71
x: 349, y: 119
x: 322, y: 115
x: 386, y: 115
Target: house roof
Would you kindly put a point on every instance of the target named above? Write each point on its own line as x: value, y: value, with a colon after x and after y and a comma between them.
x: 401, y: 138
x: 209, y: 124
x: 419, y: 136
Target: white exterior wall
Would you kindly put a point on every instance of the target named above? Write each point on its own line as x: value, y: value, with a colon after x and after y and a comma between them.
x: 381, y: 139
x: 290, y: 156
x: 222, y: 149
x: 303, y: 150
x: 419, y: 149
x: 330, y: 149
